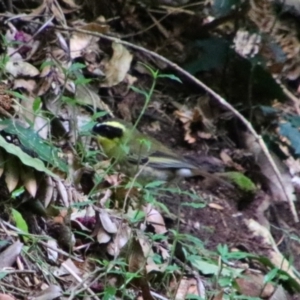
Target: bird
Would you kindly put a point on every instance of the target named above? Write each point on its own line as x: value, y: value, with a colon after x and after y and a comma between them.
x: 143, y: 157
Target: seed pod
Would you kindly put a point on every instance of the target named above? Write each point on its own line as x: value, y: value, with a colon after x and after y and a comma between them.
x: 12, y: 172
x: 28, y: 180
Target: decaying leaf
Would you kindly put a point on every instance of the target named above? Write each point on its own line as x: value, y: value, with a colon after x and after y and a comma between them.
x: 118, y: 66
x: 52, y: 254
x: 10, y: 254
x: 187, y: 286
x: 190, y: 116
x: 79, y: 42
x: 253, y: 285
x: 155, y: 219
x: 21, y: 68
x: 102, y: 236
x: 106, y: 222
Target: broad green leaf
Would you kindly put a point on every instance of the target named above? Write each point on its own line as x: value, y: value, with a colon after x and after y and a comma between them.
x: 242, y: 181
x: 31, y: 141
x: 208, y: 268
x: 27, y: 160
x: 20, y: 222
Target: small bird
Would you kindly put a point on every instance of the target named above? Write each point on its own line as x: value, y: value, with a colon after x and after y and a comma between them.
x: 140, y: 155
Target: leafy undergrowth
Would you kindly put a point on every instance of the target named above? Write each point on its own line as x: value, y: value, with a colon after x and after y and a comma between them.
x: 74, y: 228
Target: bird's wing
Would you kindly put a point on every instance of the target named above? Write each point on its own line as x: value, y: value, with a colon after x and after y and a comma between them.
x: 162, y: 160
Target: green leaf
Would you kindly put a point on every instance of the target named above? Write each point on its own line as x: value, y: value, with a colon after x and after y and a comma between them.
x: 194, y: 204
x: 292, y: 133
x: 82, y: 81
x: 208, y: 268
x: 36, y: 104
x: 109, y: 293
x: 271, y: 275
x: 154, y: 184
x: 16, y: 193
x: 27, y: 160
x: 170, y: 76
x: 20, y: 222
x: 76, y: 67
x: 242, y: 181
x: 31, y: 141
x: 137, y: 90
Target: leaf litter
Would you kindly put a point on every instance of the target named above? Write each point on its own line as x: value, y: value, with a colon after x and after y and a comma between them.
x: 118, y: 241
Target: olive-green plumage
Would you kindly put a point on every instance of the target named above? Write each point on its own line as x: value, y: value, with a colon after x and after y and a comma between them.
x: 137, y: 153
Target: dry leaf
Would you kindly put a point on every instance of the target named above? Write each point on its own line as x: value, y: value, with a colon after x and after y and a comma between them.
x: 215, y: 206
x: 118, y: 66
x: 21, y: 68
x: 52, y: 254
x: 253, y: 285
x: 29, y: 85
x: 155, y: 219
x: 102, y: 236
x: 79, y: 42
x: 96, y: 27
x: 62, y: 193
x: 106, y: 222
x: 9, y: 255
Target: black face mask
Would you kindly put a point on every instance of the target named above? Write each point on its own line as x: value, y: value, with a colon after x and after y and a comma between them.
x: 108, y: 131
